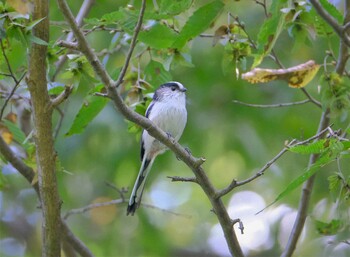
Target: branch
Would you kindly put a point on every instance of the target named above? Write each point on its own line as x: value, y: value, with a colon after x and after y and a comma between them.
x: 83, y: 12
x: 92, y: 206
x: 11, y: 94
x: 74, y: 241
x: 42, y: 116
x: 313, y: 100
x: 182, y: 179
x: 29, y: 174
x: 132, y: 45
x: 261, y: 172
x: 192, y: 162
x: 271, y: 105
x: 62, y: 97
x: 68, y: 45
x: 340, y: 30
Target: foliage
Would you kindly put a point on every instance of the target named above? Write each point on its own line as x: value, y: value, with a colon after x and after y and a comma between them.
x: 207, y: 45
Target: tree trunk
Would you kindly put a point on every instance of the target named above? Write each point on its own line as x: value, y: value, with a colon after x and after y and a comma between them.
x: 42, y: 115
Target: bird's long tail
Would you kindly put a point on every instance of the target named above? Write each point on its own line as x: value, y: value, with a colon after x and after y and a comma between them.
x: 136, y: 195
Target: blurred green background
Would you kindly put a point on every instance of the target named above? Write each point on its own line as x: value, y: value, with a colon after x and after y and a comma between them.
x: 236, y: 141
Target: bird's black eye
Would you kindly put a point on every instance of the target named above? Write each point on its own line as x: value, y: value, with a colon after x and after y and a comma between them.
x: 173, y: 88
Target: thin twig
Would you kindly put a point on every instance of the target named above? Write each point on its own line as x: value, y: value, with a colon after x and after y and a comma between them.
x: 182, y: 179
x: 313, y: 100
x: 340, y: 30
x: 92, y: 206
x: 116, y: 202
x: 7, y: 62
x: 132, y: 45
x: 272, y: 105
x: 62, y: 97
x: 67, y: 44
x: 8, y: 98
x: 121, y: 191
x: 261, y: 172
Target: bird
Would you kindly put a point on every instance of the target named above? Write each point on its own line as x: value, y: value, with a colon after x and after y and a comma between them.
x: 168, y: 112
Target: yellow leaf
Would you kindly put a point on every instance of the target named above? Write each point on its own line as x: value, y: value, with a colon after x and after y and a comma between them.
x: 21, y: 6
x: 297, y: 76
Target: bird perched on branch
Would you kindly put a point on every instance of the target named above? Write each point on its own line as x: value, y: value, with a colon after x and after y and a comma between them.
x: 168, y: 112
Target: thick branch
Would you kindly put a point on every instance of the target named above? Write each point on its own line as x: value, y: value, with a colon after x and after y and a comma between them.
x: 193, y: 163
x: 45, y: 154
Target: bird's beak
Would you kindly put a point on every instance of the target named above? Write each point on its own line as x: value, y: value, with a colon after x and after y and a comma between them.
x: 183, y: 89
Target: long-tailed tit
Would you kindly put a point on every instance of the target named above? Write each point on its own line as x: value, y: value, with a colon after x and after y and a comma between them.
x: 168, y: 111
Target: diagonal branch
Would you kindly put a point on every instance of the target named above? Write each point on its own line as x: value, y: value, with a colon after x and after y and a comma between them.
x: 192, y: 162
x: 339, y: 29
x: 261, y: 172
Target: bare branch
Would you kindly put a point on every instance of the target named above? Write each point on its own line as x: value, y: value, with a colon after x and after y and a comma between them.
x: 67, y: 44
x: 313, y: 100
x: 340, y: 30
x: 182, y: 179
x: 92, y: 206
x: 132, y: 45
x: 272, y: 105
x: 74, y: 241
x: 8, y: 98
x: 261, y: 172
x: 62, y: 97
x: 115, y: 202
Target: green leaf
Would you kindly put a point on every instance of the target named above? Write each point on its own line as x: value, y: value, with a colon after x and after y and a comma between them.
x: 129, y: 21
x: 158, y: 36
x: 327, y: 229
x: 2, y: 29
x: 314, y: 147
x: 156, y: 73
x: 324, y: 159
x: 332, y: 10
x: 333, y: 182
x: 17, y: 133
x: 269, y: 31
x: 112, y: 17
x: 171, y: 7
x: 91, y: 107
x: 32, y: 24
x: 198, y: 22
x: 37, y: 40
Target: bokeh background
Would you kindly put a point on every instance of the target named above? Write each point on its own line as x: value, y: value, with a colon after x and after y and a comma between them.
x: 236, y: 141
